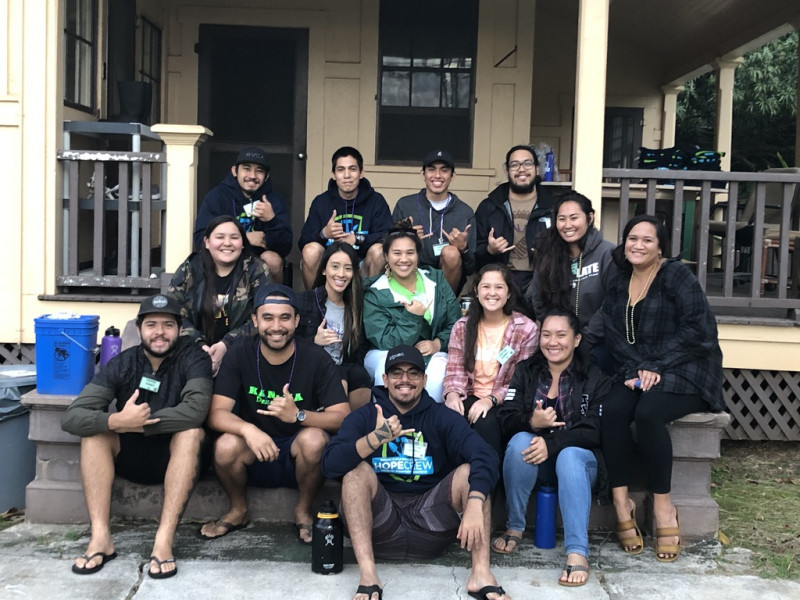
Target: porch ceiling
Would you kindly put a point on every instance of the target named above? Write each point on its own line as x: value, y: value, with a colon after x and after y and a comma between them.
x: 682, y: 36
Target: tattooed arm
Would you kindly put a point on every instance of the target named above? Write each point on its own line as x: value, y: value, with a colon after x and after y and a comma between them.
x: 386, y: 430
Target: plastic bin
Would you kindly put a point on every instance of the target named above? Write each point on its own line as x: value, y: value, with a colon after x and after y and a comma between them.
x: 65, y: 353
x: 17, y: 452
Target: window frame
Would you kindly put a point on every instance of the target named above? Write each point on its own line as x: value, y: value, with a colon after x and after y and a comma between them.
x: 154, y: 77
x: 74, y: 40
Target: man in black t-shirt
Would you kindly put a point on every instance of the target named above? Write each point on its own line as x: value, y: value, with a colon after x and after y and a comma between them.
x: 276, y: 400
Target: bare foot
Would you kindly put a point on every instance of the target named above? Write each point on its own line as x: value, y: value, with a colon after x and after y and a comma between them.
x: 576, y: 577
x: 105, y: 546
x: 303, y: 518
x: 476, y: 583
x: 214, y: 529
x: 162, y: 552
x: 507, y: 543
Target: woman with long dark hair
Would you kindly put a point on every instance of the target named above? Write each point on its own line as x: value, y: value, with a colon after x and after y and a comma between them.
x: 331, y: 314
x: 663, y: 335
x: 484, y: 348
x: 409, y: 305
x: 572, y: 266
x: 215, y: 287
x: 552, y: 413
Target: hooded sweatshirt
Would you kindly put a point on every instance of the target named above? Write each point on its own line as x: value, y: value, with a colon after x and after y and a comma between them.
x: 367, y: 215
x: 597, y: 271
x: 228, y: 199
x: 450, y: 443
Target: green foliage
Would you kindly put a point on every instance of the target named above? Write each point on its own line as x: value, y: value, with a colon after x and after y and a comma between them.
x: 764, y: 107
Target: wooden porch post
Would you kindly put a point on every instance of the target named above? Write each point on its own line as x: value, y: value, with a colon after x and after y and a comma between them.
x: 723, y: 127
x: 182, y: 142
x: 590, y: 101
x: 668, y: 117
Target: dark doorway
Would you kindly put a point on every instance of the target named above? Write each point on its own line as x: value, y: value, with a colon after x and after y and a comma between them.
x: 253, y: 91
x: 623, y: 137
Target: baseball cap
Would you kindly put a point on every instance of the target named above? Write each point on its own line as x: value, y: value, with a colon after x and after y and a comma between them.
x: 264, y: 292
x: 442, y: 156
x: 253, y: 155
x: 159, y: 304
x: 404, y: 355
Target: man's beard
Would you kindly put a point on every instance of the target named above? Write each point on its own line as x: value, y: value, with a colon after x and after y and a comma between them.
x: 289, y: 340
x: 521, y: 189
x: 155, y: 354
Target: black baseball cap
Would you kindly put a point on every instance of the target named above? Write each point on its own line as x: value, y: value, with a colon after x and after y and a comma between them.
x: 159, y: 304
x: 442, y: 156
x: 264, y: 292
x: 404, y: 355
x: 254, y: 155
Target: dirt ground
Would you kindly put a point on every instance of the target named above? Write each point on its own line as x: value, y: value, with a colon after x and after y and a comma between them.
x: 757, y: 487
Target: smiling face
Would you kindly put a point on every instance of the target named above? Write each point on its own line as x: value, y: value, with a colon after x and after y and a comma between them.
x: 402, y: 258
x: 558, y: 341
x: 347, y: 176
x: 250, y: 177
x: 338, y: 273
x: 642, y: 246
x: 224, y: 244
x: 404, y: 383
x: 492, y: 291
x: 276, y: 324
x: 571, y: 222
x: 521, y: 171
x: 159, y: 333
x: 437, y: 178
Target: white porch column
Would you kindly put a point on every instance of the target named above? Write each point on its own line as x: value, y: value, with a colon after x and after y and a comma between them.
x: 723, y: 127
x: 590, y: 100
x: 182, y: 142
x: 668, y: 115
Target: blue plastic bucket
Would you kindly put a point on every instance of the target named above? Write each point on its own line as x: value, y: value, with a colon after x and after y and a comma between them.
x: 65, y: 351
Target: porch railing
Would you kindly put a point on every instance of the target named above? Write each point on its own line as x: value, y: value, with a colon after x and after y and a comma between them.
x: 109, y: 252
x: 719, y: 224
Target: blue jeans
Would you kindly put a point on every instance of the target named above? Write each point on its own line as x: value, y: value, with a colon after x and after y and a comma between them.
x: 576, y: 470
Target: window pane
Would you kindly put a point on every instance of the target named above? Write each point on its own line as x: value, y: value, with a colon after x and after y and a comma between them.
x: 457, y: 63
x: 425, y: 89
x: 428, y: 62
x: 455, y: 90
x: 395, y: 89
x: 396, y: 61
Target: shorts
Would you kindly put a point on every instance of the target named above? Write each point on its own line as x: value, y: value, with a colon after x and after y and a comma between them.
x: 144, y: 459
x: 278, y: 473
x: 355, y: 375
x: 413, y: 526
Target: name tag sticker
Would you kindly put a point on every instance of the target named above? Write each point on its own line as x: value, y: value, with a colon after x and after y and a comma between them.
x: 546, y: 221
x: 416, y: 449
x: 505, y: 354
x: 151, y: 385
x: 437, y: 248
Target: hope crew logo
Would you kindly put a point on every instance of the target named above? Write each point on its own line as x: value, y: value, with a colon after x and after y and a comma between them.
x: 400, y: 466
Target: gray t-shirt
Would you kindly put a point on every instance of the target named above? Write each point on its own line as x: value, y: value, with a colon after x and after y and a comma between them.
x: 334, y: 319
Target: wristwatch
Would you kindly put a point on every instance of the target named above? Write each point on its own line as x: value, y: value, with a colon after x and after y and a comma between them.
x: 300, y: 417
x: 493, y: 399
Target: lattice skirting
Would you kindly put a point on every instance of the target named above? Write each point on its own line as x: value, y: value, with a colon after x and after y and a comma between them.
x: 17, y: 354
x: 765, y: 405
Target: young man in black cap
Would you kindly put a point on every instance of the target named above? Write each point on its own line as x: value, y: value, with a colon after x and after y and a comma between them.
x: 445, y: 224
x: 416, y: 477
x: 246, y: 193
x: 350, y: 211
x: 162, y: 391
x: 288, y: 397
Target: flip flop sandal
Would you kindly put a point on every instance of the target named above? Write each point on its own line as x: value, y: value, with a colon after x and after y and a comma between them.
x: 507, y: 537
x: 84, y: 571
x: 162, y: 574
x: 300, y: 527
x: 571, y: 569
x: 369, y: 590
x: 632, y: 544
x: 228, y: 527
x: 483, y: 593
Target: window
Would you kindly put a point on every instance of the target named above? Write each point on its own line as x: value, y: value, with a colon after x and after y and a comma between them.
x: 623, y: 136
x: 150, y: 65
x: 427, y: 78
x: 80, y: 51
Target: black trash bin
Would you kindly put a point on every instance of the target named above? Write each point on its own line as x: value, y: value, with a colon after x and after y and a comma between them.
x: 17, y: 452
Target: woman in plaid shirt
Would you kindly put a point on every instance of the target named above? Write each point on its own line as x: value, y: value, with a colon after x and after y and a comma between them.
x: 485, y: 346
x: 661, y: 331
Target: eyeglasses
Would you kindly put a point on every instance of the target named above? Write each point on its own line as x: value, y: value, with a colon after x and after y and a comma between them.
x: 525, y: 164
x: 413, y: 374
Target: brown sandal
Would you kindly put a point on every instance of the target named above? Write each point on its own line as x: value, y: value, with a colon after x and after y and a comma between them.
x: 672, y: 549
x: 632, y: 544
x: 505, y: 538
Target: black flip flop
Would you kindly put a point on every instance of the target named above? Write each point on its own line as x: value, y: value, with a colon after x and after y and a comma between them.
x: 369, y: 590
x: 228, y: 527
x: 84, y: 571
x: 483, y: 593
x: 298, y: 527
x: 162, y: 574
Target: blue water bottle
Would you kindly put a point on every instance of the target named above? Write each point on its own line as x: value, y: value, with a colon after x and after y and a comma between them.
x: 544, y: 536
x: 549, y: 165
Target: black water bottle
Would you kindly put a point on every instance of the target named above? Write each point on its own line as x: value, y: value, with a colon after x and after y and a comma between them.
x: 326, y: 541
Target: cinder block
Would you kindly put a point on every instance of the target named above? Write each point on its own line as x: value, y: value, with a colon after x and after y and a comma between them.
x: 46, y: 427
x: 691, y: 477
x: 58, y: 469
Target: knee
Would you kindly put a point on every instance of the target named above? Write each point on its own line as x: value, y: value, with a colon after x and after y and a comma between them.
x: 309, y: 444
x: 311, y: 254
x: 450, y: 258
x: 228, y: 449
x: 188, y: 438
x: 573, y: 460
x: 518, y: 443
x: 359, y: 477
x: 375, y: 254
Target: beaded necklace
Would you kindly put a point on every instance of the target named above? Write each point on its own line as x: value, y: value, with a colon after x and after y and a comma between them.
x: 630, y: 334
x: 258, y: 365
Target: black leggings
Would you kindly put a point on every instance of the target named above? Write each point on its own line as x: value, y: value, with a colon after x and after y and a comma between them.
x: 488, y: 427
x: 651, y: 411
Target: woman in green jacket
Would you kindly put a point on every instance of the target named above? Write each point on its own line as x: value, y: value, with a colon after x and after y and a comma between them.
x: 409, y: 305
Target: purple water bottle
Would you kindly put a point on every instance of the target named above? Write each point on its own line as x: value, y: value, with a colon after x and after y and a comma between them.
x: 544, y: 536
x: 549, y: 165
x: 110, y: 346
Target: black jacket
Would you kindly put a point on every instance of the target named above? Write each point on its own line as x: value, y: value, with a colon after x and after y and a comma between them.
x: 583, y: 428
x: 227, y: 199
x: 311, y: 307
x: 495, y: 211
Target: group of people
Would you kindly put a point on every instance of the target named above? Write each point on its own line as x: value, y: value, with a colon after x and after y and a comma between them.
x: 376, y: 376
